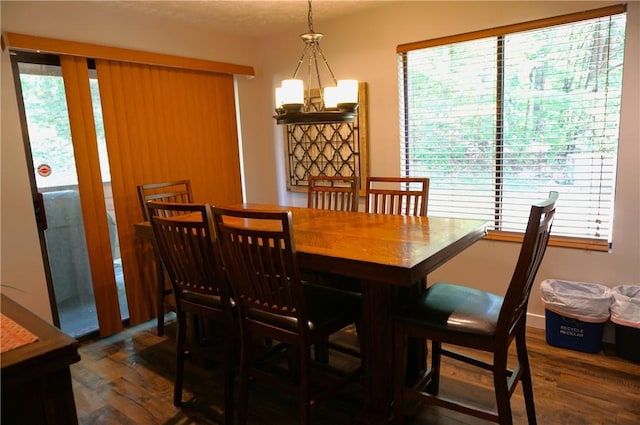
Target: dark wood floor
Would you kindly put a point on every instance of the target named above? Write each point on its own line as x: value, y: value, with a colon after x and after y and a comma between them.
x: 128, y: 379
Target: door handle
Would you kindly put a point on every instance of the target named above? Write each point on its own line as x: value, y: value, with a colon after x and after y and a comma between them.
x: 41, y: 216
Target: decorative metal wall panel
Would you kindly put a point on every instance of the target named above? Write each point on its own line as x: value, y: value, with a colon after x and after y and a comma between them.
x: 338, y: 149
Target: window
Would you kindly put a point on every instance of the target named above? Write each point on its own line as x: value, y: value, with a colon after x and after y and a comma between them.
x: 498, y: 118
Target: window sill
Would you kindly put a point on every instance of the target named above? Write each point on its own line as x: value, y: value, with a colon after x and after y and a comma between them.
x: 560, y: 241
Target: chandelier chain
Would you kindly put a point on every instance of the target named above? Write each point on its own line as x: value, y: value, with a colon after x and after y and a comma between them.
x: 310, y: 18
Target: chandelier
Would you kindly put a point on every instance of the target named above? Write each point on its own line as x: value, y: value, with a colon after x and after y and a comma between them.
x: 296, y: 104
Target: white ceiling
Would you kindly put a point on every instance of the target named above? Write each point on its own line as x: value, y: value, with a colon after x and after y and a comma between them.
x: 246, y: 17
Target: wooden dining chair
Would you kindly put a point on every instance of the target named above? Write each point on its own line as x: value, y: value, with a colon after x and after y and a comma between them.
x: 333, y: 193
x: 338, y: 193
x: 260, y: 258
x: 178, y: 191
x: 479, y: 320
x: 397, y: 195
x: 192, y: 261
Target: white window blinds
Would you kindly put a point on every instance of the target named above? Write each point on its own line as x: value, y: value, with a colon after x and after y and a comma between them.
x: 498, y: 121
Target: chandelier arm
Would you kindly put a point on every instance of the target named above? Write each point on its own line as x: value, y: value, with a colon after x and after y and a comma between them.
x: 301, y: 60
x: 307, y: 99
x: 324, y: 59
x: 319, y: 78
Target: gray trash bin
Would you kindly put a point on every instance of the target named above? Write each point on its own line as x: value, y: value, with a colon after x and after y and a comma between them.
x: 625, y: 314
x: 575, y: 313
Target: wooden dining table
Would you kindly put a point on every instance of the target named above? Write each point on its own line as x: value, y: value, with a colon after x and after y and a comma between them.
x: 390, y: 255
x: 36, y: 379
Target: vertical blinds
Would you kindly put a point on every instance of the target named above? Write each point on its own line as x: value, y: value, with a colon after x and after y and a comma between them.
x: 164, y: 124
x: 498, y: 121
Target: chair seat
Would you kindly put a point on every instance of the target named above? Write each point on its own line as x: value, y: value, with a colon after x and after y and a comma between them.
x: 326, y: 308
x: 446, y: 306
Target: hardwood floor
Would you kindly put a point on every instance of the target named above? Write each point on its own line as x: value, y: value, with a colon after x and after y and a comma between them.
x: 128, y: 379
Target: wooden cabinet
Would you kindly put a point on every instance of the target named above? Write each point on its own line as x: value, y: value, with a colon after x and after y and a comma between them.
x: 36, y: 381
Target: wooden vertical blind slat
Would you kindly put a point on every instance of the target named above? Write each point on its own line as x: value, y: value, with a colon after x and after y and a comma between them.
x: 81, y: 119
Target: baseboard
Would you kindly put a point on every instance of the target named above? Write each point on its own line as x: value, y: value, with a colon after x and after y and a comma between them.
x: 535, y: 321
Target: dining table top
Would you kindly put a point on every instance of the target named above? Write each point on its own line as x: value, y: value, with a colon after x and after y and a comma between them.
x: 394, y: 249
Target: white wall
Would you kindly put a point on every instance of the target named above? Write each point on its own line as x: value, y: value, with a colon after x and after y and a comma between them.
x: 361, y: 46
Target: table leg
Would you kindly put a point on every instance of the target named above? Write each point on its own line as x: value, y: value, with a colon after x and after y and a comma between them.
x: 416, y: 347
x: 376, y: 345
x: 376, y: 342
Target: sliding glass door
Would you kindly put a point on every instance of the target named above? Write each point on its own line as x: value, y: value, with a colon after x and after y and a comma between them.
x: 53, y: 159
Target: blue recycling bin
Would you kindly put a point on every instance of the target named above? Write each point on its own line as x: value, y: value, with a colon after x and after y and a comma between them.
x: 575, y: 314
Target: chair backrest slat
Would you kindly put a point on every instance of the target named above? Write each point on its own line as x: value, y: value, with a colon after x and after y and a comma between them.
x: 397, y: 195
x: 339, y: 193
